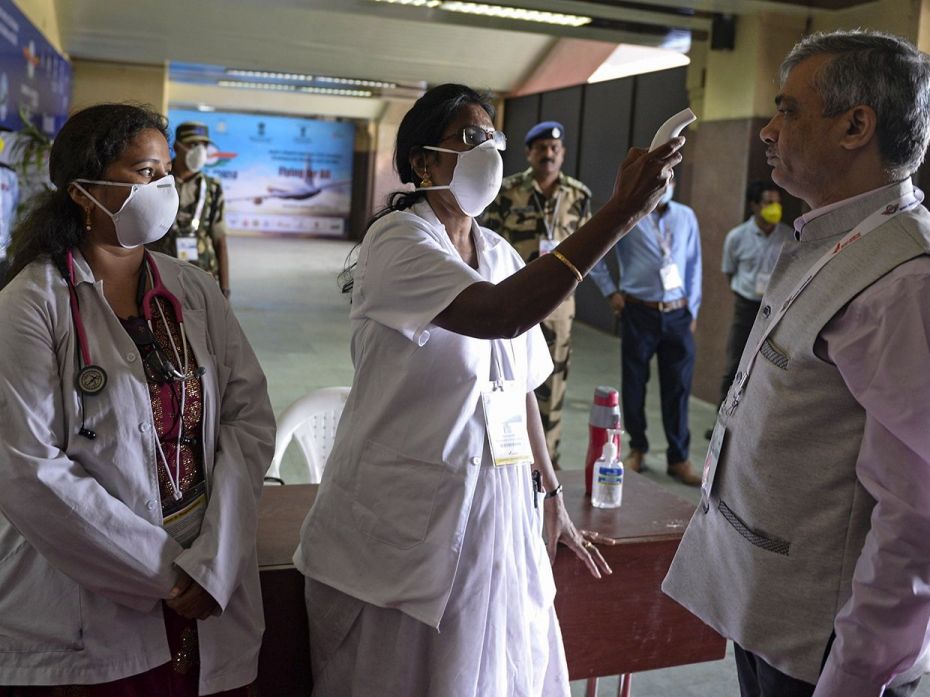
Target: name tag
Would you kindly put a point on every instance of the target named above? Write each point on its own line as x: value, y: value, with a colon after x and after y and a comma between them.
x: 762, y: 282
x: 710, y: 463
x: 187, y: 249
x: 505, y: 418
x: 671, y: 278
x: 546, y: 245
x: 184, y: 520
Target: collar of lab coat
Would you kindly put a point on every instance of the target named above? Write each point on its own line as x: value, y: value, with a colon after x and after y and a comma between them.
x: 484, y: 239
x: 170, y: 276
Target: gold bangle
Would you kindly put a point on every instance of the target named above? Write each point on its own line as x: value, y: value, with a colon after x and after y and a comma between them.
x: 569, y: 265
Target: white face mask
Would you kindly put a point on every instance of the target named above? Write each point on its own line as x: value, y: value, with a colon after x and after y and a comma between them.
x: 196, y: 158
x: 146, y: 214
x: 476, y: 178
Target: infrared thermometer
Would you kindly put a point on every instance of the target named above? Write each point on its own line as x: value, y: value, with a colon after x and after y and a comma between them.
x: 672, y: 127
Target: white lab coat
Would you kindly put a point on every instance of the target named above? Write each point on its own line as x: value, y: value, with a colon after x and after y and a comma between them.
x: 84, y: 560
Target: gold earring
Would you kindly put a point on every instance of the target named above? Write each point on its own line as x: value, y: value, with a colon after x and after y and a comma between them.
x: 426, y: 182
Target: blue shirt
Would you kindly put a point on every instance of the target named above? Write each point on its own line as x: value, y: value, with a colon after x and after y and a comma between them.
x: 747, y: 252
x: 640, y: 258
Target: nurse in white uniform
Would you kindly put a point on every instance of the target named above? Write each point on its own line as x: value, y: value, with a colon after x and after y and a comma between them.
x: 427, y: 570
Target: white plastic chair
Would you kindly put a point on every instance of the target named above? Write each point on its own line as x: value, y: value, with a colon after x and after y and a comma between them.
x: 312, y: 421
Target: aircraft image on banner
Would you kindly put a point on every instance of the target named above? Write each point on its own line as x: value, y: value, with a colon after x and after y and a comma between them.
x: 307, y: 187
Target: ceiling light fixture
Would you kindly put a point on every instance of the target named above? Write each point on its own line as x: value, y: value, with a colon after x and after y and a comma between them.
x: 269, y: 75
x: 357, y: 83
x: 517, y: 13
x: 243, y: 84
x: 520, y: 14
x: 275, y: 87
x: 336, y: 91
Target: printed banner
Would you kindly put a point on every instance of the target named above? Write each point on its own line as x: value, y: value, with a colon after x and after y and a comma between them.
x: 34, y: 78
x: 280, y: 174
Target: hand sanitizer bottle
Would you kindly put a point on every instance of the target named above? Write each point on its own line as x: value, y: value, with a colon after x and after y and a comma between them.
x: 607, y: 487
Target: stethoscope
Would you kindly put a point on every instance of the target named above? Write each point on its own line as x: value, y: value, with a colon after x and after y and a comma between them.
x: 92, y: 378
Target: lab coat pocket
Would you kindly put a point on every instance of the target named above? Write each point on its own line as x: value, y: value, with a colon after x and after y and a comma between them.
x: 395, y: 495
x: 40, y: 606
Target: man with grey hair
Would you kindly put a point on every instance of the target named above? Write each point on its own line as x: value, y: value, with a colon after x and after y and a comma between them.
x: 811, y: 546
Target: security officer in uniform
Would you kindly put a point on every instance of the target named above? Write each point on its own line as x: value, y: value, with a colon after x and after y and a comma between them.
x: 535, y: 210
x: 199, y: 232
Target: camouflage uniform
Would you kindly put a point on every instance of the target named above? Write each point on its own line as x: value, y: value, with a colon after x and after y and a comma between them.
x: 516, y: 215
x: 212, y: 225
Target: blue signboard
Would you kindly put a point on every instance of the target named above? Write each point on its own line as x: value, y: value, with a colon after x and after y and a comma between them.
x: 35, y: 79
x: 280, y: 174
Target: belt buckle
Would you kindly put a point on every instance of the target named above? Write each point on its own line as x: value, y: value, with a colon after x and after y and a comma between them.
x: 662, y: 306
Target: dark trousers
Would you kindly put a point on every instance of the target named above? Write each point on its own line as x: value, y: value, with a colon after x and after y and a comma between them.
x: 667, y: 335
x: 744, y: 316
x: 758, y: 679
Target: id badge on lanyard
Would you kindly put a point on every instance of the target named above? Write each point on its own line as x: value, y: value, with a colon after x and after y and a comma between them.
x: 187, y: 248
x: 184, y: 519
x: 504, y: 403
x: 548, y: 243
x: 505, y: 417
x: 762, y: 282
x: 714, y: 451
x: 671, y: 277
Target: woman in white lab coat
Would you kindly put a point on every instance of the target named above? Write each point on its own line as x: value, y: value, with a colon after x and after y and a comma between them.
x: 427, y: 573
x: 135, y: 432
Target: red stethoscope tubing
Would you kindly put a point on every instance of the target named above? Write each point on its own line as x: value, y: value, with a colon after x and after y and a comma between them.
x: 156, y: 291
x: 76, y: 312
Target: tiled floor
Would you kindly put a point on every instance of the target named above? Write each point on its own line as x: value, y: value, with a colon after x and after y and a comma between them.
x: 286, y: 297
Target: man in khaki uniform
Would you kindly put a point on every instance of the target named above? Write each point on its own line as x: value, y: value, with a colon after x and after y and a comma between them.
x: 199, y: 232
x: 535, y: 210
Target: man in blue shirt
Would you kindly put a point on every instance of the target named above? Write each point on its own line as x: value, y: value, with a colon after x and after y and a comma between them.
x: 749, y: 255
x: 657, y: 301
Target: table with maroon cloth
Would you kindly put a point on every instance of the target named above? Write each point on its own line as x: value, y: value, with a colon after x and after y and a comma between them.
x: 620, y: 624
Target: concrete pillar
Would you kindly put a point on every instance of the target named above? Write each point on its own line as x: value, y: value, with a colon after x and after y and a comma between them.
x: 733, y: 92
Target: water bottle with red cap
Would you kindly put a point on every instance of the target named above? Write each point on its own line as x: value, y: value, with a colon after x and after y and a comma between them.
x: 605, y: 419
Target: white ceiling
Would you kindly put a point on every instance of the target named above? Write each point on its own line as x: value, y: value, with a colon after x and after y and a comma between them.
x: 355, y: 38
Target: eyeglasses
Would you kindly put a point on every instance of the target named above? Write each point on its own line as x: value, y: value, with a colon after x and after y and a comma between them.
x: 476, y: 135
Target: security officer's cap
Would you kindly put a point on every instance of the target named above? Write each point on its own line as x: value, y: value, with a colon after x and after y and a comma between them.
x: 192, y: 133
x: 546, y: 129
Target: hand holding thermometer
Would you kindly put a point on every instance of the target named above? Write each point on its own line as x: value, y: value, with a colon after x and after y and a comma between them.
x: 672, y: 127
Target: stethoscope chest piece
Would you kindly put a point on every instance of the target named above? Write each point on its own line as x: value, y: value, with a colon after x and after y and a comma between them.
x: 91, y: 379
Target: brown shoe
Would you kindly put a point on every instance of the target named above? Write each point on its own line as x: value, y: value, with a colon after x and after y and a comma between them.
x: 634, y: 461
x: 684, y: 473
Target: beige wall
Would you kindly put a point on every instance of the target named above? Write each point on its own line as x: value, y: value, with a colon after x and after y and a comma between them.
x: 895, y: 16
x: 742, y: 83
x: 44, y: 15
x: 99, y: 81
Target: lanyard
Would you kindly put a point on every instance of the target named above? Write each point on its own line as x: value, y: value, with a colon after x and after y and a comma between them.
x: 201, y: 201
x: 664, y: 238
x: 879, y: 217
x: 548, y: 222
x: 498, y: 381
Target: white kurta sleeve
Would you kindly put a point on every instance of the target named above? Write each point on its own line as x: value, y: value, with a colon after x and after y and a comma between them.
x: 407, y: 276
x: 51, y: 499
